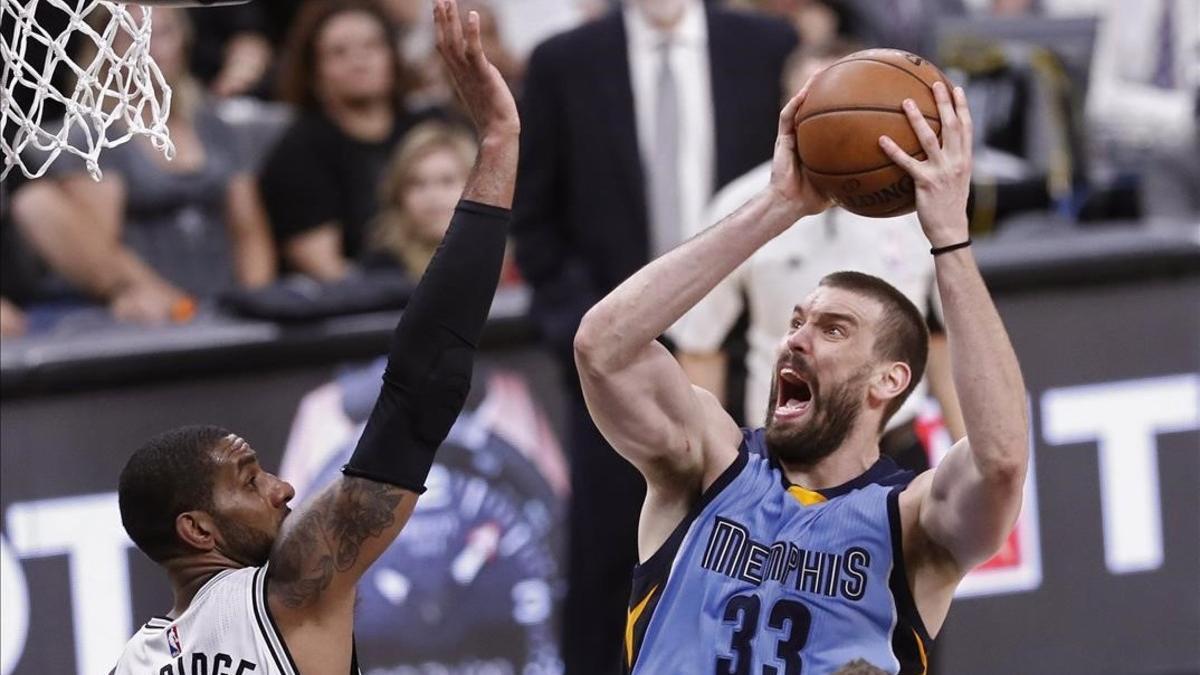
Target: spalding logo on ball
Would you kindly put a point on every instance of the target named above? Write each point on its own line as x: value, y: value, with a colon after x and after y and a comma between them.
x: 849, y: 106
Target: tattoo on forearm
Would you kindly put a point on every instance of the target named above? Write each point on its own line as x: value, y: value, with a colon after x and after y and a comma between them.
x: 329, y: 537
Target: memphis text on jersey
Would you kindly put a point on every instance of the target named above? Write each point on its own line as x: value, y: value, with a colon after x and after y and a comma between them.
x: 731, y: 551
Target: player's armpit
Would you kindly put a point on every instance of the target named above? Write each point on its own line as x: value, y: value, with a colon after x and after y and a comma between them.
x: 931, y: 571
x: 327, y: 545
x: 967, y: 511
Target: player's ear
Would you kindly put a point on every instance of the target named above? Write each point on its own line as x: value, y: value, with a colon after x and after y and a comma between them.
x: 891, y: 381
x: 196, y: 529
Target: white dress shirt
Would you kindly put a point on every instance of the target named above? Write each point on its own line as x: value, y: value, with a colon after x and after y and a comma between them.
x: 1122, y: 102
x: 779, y: 276
x: 689, y: 63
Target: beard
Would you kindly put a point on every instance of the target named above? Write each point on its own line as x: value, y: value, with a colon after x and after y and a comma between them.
x: 830, y: 419
x: 243, y: 543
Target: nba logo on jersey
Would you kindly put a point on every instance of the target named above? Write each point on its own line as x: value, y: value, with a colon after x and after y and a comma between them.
x: 173, y: 641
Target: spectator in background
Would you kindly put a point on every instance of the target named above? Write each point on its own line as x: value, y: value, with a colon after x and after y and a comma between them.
x: 1012, y: 8
x: 231, y: 53
x: 891, y: 248
x: 900, y: 24
x: 154, y: 234
x: 1028, y: 169
x: 630, y: 122
x: 817, y: 22
x: 423, y: 182
x: 343, y: 72
x: 418, y: 193
x: 15, y: 272
x: 1144, y: 99
x: 12, y: 319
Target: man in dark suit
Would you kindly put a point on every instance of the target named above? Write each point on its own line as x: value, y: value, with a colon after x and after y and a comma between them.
x: 900, y: 24
x: 632, y: 121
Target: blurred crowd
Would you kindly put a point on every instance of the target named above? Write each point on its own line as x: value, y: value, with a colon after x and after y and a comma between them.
x: 318, y: 142
x: 321, y: 139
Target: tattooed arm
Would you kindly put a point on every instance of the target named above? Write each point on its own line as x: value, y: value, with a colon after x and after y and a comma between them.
x: 343, y: 530
x: 323, y: 550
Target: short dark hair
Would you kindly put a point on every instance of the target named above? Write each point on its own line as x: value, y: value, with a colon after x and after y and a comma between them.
x: 170, y: 474
x: 298, y: 69
x: 903, y: 334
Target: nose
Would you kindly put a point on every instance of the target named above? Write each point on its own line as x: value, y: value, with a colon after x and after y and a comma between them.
x: 800, y: 339
x: 361, y: 56
x: 282, y: 494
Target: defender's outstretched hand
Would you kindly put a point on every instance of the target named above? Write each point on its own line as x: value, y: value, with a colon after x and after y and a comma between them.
x: 943, y: 180
x: 483, y: 91
x: 788, y: 182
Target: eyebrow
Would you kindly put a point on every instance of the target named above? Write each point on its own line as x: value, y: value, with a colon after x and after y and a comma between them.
x: 829, y: 316
x: 245, y: 460
x: 838, y: 316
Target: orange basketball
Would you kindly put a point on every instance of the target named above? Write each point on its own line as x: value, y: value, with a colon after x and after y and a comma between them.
x: 849, y: 106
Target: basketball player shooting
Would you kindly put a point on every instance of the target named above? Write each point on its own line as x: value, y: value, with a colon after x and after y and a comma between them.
x: 259, y: 590
x: 797, y: 547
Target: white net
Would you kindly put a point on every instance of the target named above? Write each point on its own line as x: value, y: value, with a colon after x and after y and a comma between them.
x: 95, y: 87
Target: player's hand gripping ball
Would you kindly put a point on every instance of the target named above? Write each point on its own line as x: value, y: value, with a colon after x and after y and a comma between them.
x: 849, y: 106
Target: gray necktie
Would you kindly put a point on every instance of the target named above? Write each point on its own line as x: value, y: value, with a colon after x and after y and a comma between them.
x: 666, y: 229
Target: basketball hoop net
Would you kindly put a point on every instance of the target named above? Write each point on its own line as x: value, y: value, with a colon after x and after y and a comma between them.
x: 116, y: 94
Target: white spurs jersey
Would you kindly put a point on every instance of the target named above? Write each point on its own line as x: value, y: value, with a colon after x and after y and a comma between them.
x: 226, y: 629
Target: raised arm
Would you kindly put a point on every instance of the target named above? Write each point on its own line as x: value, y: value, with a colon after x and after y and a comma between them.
x: 638, y: 395
x: 328, y: 544
x: 970, y: 504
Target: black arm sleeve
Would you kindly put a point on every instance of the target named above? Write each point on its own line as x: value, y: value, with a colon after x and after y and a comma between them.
x: 428, y: 373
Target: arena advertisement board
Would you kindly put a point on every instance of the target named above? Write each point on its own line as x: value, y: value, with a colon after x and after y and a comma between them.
x: 478, y: 564
x: 1100, y: 576
x: 1113, y: 375
x: 472, y: 583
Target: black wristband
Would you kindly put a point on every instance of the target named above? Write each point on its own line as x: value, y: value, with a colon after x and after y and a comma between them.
x: 951, y: 247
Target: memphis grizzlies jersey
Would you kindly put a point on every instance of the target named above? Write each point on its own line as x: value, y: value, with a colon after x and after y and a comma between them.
x: 767, y: 578
x: 226, y: 629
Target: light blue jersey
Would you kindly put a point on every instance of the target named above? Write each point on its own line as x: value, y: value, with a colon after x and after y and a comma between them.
x: 768, y: 578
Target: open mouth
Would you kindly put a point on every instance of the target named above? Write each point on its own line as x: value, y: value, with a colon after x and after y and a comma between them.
x: 793, y: 396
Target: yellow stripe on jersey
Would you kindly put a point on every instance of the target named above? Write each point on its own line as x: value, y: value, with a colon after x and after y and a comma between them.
x: 921, y: 651
x: 805, y: 496
x: 631, y: 620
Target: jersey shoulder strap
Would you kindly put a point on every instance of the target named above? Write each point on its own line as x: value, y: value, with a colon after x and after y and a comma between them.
x: 268, y: 629
x: 650, y: 577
